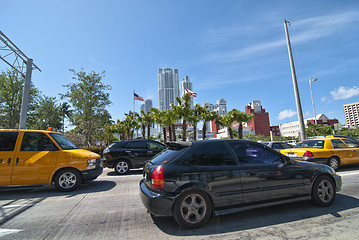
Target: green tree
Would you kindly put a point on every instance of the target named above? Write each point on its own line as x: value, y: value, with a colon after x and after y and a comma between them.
x: 183, y: 111
x: 89, y: 99
x: 11, y: 91
x: 317, y: 130
x: 48, y: 114
x: 194, y: 118
x: 240, y: 117
x: 226, y: 121
x: 207, y: 116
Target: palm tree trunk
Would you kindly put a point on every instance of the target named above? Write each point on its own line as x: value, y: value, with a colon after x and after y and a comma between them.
x: 174, y: 132
x: 204, y: 130
x: 170, y: 133
x: 143, y: 131
x: 184, y: 130
x: 230, y: 132
x: 195, y: 132
x: 164, y: 135
x: 240, y: 131
x: 148, y: 131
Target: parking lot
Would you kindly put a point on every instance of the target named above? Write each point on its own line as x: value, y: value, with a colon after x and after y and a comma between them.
x: 110, y: 208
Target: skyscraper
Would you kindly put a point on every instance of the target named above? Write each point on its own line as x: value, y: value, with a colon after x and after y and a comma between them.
x: 186, y: 83
x: 351, y: 112
x: 147, y: 105
x: 168, y: 87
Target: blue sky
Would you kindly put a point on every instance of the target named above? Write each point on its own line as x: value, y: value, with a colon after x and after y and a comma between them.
x: 234, y: 50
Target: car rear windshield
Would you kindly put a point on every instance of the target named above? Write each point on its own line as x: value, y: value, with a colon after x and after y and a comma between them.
x: 167, y: 156
x: 311, y: 144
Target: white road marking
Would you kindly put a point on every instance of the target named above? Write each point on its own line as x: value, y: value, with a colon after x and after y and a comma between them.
x: 348, y: 174
x: 4, y: 231
x: 19, y: 205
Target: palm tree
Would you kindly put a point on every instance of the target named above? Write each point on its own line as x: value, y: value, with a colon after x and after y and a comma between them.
x: 140, y: 120
x: 207, y: 116
x: 159, y: 118
x: 65, y: 112
x: 240, y: 117
x: 194, y: 118
x: 226, y: 121
x: 183, y: 110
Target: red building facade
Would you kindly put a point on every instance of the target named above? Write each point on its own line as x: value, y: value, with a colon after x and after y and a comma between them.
x: 260, y: 122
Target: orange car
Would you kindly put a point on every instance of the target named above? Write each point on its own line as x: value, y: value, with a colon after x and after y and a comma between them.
x: 333, y: 151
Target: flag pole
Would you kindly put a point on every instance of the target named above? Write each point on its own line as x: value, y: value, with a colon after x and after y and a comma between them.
x: 134, y: 101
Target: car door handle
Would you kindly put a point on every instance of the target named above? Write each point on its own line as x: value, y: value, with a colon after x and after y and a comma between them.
x: 128, y: 151
x: 150, y: 152
x: 17, y: 161
x: 8, y: 161
x: 251, y: 173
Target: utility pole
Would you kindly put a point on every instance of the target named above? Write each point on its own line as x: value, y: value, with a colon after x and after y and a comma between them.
x: 295, y: 86
x: 16, y: 59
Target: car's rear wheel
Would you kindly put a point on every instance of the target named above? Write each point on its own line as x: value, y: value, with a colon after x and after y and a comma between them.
x: 122, y: 167
x: 334, y: 162
x: 192, y: 209
x: 323, y: 192
x: 67, y: 180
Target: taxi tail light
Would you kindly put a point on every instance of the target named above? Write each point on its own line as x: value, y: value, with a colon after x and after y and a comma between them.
x: 158, y: 178
x: 308, y: 154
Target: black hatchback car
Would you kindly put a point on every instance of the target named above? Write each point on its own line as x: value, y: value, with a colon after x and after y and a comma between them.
x: 193, y: 181
x: 128, y: 154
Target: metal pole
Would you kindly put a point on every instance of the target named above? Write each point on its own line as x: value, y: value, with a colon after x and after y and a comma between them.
x: 25, y: 95
x: 295, y: 86
x: 311, y: 93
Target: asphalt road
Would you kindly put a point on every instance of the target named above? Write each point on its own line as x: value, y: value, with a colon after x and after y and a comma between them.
x: 110, y: 208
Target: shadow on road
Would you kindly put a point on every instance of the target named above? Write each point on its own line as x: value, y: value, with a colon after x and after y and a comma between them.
x: 131, y: 172
x: 259, y: 218
x: 15, y: 200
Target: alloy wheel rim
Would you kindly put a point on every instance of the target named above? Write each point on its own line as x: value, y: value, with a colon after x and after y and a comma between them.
x: 333, y: 163
x: 325, y: 191
x: 122, y: 167
x: 193, y: 208
x: 67, y: 180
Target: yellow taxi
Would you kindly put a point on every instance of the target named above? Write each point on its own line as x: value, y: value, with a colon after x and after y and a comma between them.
x: 330, y: 150
x: 37, y: 157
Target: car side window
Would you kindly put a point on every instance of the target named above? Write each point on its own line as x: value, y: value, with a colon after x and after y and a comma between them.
x: 136, y: 145
x: 33, y: 141
x: 254, y: 154
x: 337, y: 143
x: 153, y: 145
x: 212, y: 154
x: 7, y: 141
x: 277, y: 146
x: 350, y: 143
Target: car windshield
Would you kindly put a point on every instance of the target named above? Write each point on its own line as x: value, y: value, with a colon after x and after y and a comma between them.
x: 64, y: 143
x: 167, y: 156
x: 310, y: 144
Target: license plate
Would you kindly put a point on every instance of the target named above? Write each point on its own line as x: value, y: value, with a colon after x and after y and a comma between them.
x: 291, y: 154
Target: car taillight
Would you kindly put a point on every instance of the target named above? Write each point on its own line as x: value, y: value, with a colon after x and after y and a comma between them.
x: 308, y: 154
x: 158, y: 178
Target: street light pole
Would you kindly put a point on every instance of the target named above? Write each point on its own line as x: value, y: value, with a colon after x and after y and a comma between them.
x: 311, y: 93
x: 295, y: 86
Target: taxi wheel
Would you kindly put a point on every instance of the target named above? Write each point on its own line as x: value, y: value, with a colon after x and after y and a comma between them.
x: 323, y: 191
x: 122, y: 167
x: 67, y: 180
x: 334, y: 163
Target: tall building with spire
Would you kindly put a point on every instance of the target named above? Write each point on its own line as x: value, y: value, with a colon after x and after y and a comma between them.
x: 168, y: 87
x: 186, y: 83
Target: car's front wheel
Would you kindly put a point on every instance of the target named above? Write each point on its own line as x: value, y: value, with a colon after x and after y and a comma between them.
x: 122, y: 167
x: 323, y: 191
x: 67, y: 180
x: 192, y: 209
x: 334, y: 163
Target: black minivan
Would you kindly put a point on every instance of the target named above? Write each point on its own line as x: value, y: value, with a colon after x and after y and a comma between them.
x: 193, y: 181
x: 128, y: 154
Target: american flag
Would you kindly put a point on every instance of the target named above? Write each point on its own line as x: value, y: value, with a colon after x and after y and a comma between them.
x: 136, y: 97
x: 192, y: 93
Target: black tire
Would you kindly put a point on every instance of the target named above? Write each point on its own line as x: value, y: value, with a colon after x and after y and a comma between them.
x: 122, y: 167
x: 334, y: 162
x: 323, y: 191
x: 192, y: 209
x: 67, y: 179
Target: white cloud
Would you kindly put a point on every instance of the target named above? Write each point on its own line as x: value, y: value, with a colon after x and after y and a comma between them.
x: 288, y: 113
x: 344, y: 93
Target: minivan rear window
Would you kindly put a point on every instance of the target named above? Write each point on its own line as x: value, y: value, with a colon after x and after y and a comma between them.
x: 167, y: 156
x: 7, y: 141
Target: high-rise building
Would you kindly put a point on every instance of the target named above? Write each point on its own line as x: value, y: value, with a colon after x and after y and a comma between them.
x: 351, y: 113
x: 260, y: 122
x: 221, y: 107
x: 168, y: 87
x: 147, y: 105
x: 186, y: 83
